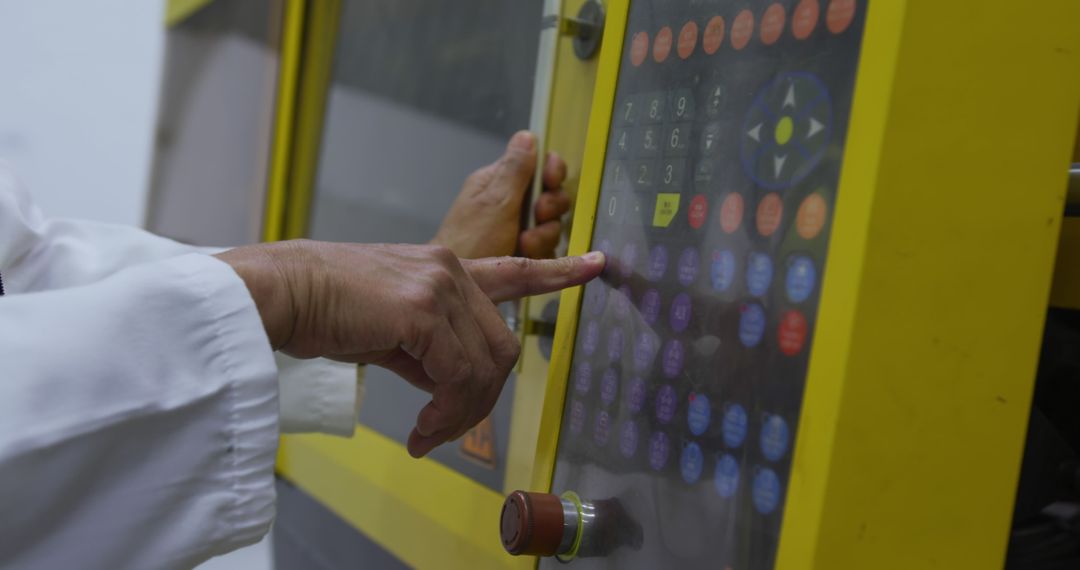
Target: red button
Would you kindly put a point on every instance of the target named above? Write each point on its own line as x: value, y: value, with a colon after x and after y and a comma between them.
x: 714, y: 35
x: 769, y: 212
x: 731, y: 212
x: 699, y: 209
x: 805, y: 18
x: 661, y: 48
x: 639, y: 48
x: 742, y: 29
x: 772, y: 24
x: 840, y: 15
x: 792, y: 336
x: 687, y: 39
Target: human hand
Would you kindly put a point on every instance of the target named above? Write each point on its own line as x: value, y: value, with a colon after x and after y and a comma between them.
x: 418, y: 311
x: 485, y: 219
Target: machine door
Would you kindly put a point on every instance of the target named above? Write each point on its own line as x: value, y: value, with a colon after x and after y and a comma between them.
x: 722, y: 163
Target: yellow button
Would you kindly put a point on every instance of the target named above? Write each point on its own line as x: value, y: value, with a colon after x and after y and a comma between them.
x: 784, y: 129
x: 667, y: 207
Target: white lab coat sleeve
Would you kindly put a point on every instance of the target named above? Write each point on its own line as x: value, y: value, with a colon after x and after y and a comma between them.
x: 40, y: 254
x: 138, y: 420
x: 318, y: 395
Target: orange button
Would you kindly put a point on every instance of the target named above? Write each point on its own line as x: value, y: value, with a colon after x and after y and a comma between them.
x: 661, y: 48
x: 805, y: 18
x: 742, y: 29
x: 772, y: 24
x: 714, y: 35
x: 769, y: 212
x: 639, y: 48
x: 840, y: 15
x: 731, y: 212
x: 811, y: 216
x: 687, y: 39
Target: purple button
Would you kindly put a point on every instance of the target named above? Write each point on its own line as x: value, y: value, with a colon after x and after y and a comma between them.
x: 606, y: 248
x: 659, y: 448
x: 666, y: 401
x: 609, y: 387
x: 591, y: 339
x: 645, y: 348
x: 674, y: 355
x: 680, y: 312
x: 628, y: 259
x: 658, y: 261
x: 688, y: 266
x: 635, y: 395
x: 628, y: 439
x: 577, y: 417
x: 602, y: 428
x: 583, y: 378
x: 650, y: 306
x: 615, y: 343
x: 596, y: 296
x: 621, y: 301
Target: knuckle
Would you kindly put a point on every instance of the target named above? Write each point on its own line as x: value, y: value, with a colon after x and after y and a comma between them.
x: 422, y: 298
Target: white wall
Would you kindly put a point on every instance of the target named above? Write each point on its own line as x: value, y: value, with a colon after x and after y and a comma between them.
x: 78, y: 102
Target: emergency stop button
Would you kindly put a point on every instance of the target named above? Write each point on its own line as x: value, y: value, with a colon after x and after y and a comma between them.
x: 538, y: 524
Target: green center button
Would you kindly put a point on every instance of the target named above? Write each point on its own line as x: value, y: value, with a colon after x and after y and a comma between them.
x: 784, y: 129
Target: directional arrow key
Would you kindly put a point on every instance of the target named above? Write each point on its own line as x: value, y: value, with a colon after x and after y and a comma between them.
x: 755, y: 133
x: 789, y: 99
x: 815, y: 127
x: 778, y: 165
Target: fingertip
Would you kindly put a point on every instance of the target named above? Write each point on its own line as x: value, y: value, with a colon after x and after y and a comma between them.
x: 523, y: 141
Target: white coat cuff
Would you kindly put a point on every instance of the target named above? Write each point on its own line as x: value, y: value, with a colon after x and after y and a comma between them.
x: 317, y: 395
x: 245, y: 358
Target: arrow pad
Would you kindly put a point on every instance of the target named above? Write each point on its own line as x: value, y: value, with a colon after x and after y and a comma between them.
x: 786, y: 131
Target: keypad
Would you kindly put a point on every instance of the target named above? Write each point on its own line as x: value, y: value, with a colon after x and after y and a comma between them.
x: 719, y: 186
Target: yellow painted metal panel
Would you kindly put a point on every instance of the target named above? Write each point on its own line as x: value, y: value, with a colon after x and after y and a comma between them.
x: 580, y: 237
x: 933, y: 301
x: 281, y: 152
x: 320, y: 38
x: 571, y: 100
x: 424, y: 513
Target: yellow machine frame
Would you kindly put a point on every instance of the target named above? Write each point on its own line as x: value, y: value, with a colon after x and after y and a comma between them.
x: 369, y: 480
x: 934, y: 296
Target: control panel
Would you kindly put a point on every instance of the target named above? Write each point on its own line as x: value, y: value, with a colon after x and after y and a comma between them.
x: 718, y: 191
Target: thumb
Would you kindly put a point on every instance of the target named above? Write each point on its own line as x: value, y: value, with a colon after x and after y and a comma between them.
x: 506, y: 278
x: 514, y: 170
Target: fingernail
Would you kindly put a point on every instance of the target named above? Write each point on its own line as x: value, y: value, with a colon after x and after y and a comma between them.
x: 594, y: 257
x: 522, y: 140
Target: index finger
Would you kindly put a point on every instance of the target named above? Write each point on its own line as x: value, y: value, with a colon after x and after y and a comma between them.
x: 506, y: 278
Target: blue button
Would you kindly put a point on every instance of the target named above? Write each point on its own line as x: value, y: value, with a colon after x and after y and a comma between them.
x: 723, y: 270
x: 726, y: 478
x: 698, y: 414
x: 774, y: 437
x: 766, y: 491
x: 734, y: 426
x: 800, y: 278
x: 759, y: 272
x: 691, y: 462
x: 751, y: 325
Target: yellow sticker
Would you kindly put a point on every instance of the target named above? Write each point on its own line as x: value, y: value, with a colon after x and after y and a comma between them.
x: 667, y: 206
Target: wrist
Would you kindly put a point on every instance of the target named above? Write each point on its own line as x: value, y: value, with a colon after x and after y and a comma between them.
x: 262, y: 269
